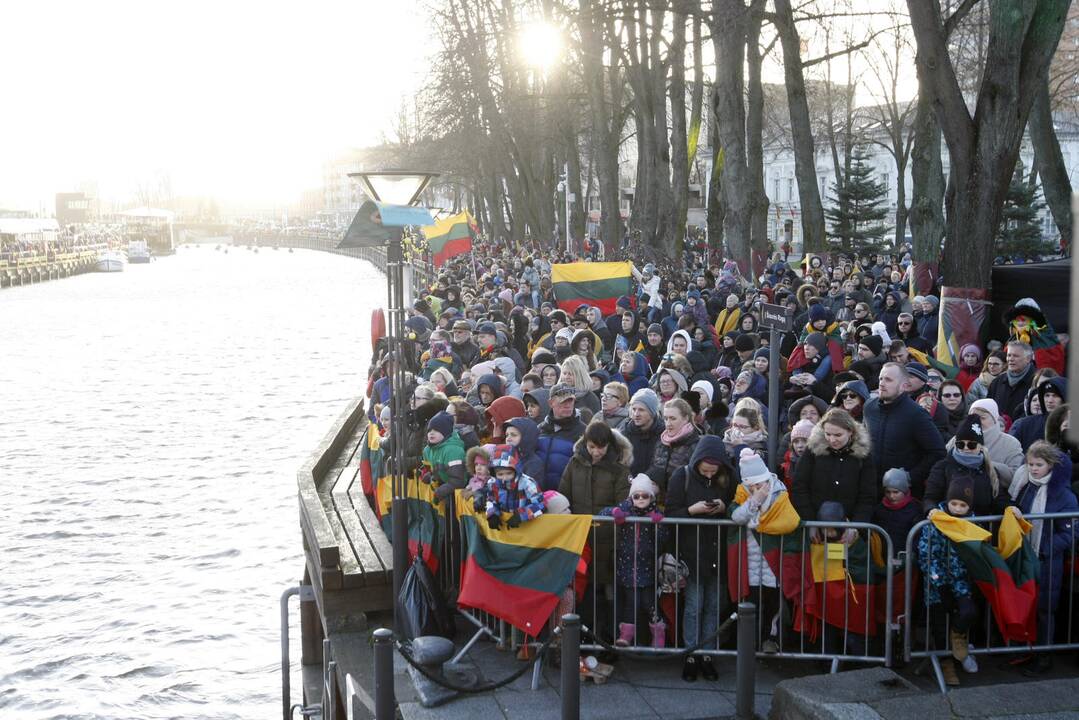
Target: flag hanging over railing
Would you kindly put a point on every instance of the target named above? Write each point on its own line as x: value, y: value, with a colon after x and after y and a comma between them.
x: 599, y: 284
x: 517, y: 574
x: 450, y: 237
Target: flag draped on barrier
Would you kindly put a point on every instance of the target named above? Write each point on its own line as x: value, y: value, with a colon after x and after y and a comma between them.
x: 599, y: 284
x: 518, y: 574
x: 1006, y: 574
x: 450, y: 237
x: 779, y: 543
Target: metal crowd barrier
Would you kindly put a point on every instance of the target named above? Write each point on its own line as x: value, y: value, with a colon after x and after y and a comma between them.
x: 985, y: 638
x: 818, y: 639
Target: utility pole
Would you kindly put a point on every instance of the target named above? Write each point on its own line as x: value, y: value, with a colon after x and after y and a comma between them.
x: 563, y: 185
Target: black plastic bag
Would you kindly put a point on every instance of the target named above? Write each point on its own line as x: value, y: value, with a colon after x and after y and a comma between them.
x: 421, y: 609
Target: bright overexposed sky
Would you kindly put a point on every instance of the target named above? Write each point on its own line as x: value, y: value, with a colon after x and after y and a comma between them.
x: 243, y: 99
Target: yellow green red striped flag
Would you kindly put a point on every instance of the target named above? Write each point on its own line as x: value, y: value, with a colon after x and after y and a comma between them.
x: 599, y: 284
x: 450, y: 237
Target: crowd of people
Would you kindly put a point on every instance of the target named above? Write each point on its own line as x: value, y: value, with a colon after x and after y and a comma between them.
x: 660, y: 409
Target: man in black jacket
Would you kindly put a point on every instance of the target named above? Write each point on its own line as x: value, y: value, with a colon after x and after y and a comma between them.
x: 1010, y: 388
x: 902, y: 435
x: 642, y: 428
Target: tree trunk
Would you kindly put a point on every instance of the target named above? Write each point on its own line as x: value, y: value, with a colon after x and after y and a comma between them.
x: 927, y: 201
x: 1056, y: 186
x: 805, y: 162
x: 679, y: 137
x: 661, y: 149
x: 729, y: 38
x: 758, y: 228
x: 715, y: 208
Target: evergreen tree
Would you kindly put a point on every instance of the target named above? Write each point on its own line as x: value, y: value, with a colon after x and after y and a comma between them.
x: 859, y: 207
x: 1020, y: 233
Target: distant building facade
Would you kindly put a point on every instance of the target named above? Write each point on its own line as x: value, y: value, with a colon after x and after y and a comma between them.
x: 74, y: 208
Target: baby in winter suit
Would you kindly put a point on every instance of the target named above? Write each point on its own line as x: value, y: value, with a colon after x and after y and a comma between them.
x: 509, y: 491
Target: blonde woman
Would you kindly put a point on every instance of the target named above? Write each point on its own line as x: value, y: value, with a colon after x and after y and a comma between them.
x: 575, y: 374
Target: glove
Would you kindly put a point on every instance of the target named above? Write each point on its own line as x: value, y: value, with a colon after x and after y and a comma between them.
x: 478, y: 503
x: 425, y: 476
x: 619, y: 515
x: 494, y: 521
x: 514, y: 521
x: 657, y: 517
x: 445, y: 490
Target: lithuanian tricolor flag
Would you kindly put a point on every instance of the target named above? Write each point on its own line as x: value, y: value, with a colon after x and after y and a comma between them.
x: 450, y: 237
x: 779, y: 543
x: 426, y: 519
x: 1006, y: 575
x: 518, y: 574
x: 372, y: 460
x: 599, y: 284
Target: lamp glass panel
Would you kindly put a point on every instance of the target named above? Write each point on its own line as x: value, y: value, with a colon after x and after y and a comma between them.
x: 396, y: 189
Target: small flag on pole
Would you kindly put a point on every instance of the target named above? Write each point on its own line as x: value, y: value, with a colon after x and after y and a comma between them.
x: 450, y: 237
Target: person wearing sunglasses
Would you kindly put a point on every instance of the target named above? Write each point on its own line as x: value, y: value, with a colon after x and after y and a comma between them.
x: 953, y: 400
x: 968, y: 461
x: 852, y: 396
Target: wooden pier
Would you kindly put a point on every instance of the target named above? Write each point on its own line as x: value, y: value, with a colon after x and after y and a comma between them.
x: 27, y: 268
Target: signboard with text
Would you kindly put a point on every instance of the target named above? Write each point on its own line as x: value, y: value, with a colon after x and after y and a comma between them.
x: 776, y: 317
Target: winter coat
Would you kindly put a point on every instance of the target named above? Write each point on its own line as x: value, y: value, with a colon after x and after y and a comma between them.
x: 759, y: 572
x: 1057, y: 535
x: 555, y: 448
x: 987, y: 501
x: 591, y: 488
x: 700, y: 550
x: 447, y: 461
x: 638, y: 379
x: 637, y: 545
x: 902, y: 435
x: 1010, y: 397
x: 845, y: 476
x: 644, y: 443
x: 666, y: 459
x: 468, y: 352
x: 897, y: 522
x: 1004, y: 450
x: 528, y: 462
x: 520, y: 496
x: 940, y: 564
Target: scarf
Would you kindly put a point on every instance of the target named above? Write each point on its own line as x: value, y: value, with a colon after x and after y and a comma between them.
x: 749, y: 438
x: 898, y: 504
x: 1015, y: 378
x: 968, y: 459
x: 1038, y: 506
x: 670, y: 438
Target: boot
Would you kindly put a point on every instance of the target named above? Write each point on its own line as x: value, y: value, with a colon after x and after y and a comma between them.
x: 659, y: 633
x: 960, y: 646
x: 626, y: 632
x: 1041, y: 666
x: 947, y: 669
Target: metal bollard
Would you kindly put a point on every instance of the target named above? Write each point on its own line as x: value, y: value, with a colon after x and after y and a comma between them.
x: 385, y: 703
x: 746, y: 665
x: 571, y: 667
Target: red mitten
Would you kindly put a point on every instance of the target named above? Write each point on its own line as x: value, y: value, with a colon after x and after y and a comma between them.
x: 619, y: 515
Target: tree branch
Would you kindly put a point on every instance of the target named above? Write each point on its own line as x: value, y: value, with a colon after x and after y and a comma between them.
x: 841, y: 53
x: 957, y: 17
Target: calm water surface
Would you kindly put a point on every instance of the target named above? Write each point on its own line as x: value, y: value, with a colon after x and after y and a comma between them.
x: 152, y: 423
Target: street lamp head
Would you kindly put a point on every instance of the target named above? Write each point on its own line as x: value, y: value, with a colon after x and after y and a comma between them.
x: 540, y: 45
x: 395, y: 187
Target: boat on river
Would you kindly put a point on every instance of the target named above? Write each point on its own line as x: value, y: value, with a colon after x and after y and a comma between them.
x: 138, y: 252
x: 110, y: 261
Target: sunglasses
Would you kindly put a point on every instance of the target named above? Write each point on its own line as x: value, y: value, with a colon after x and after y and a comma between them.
x: 848, y: 396
x: 966, y: 444
x: 903, y: 322
x: 640, y: 496
x: 951, y: 395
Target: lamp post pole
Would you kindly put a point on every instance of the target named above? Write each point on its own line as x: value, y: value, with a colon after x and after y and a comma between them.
x: 399, y: 505
x: 565, y: 186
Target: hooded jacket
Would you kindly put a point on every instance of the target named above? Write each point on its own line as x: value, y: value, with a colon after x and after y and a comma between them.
x: 682, y: 334
x: 638, y: 379
x: 1030, y: 428
x: 845, y: 476
x: 631, y: 340
x: 490, y: 380
x: 503, y: 409
x: 687, y: 487
x: 528, y: 462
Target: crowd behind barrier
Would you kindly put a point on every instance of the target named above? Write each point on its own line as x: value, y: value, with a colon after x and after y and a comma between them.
x: 647, y: 412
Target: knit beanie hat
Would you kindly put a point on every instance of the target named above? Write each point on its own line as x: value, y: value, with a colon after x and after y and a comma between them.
x: 989, y: 405
x: 556, y: 502
x: 744, y: 343
x: 817, y: 312
x: 962, y: 488
x: 705, y: 387
x: 874, y: 343
x: 543, y: 356
x: 648, y: 398
x: 802, y: 429
x: 642, y: 484
x: 441, y: 423
x: 565, y: 333
x: 971, y: 348
x: 655, y: 328
x: 818, y: 341
x: 970, y: 429
x: 761, y: 353
x: 752, y: 468
x: 918, y: 370
x: 831, y: 512
x: 897, y: 479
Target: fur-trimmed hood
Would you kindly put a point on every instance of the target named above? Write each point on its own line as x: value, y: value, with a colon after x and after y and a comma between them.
x: 621, y: 452
x: 859, y: 446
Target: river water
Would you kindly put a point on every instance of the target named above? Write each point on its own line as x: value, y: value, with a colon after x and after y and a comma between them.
x: 152, y: 424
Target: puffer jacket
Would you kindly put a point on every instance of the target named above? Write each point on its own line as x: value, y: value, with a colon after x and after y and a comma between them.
x: 990, y: 495
x: 903, y: 436
x: 845, y: 476
x: 447, y: 461
x: 638, y: 379
x: 555, y: 448
x: 700, y: 551
x: 940, y: 563
x: 592, y: 487
x: 668, y: 458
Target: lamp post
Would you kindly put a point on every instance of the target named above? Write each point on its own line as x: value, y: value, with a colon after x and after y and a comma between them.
x: 396, y: 187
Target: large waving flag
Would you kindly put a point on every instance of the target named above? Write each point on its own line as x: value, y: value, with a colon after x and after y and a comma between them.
x: 599, y: 284
x: 517, y: 574
x: 1006, y: 574
x: 450, y: 237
